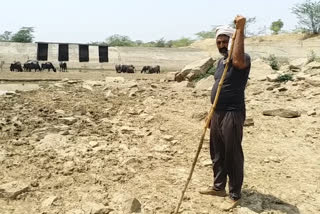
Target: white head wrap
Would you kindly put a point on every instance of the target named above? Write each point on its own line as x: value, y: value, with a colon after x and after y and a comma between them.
x: 226, y: 30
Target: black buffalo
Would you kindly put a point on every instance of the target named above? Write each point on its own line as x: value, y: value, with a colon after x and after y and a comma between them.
x: 63, y: 66
x: 29, y: 65
x: 16, y: 66
x: 151, y: 69
x: 118, y: 68
x: 125, y: 68
x: 49, y: 66
x: 145, y: 69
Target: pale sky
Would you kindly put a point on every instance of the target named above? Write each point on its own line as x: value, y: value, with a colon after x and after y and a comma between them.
x: 83, y: 21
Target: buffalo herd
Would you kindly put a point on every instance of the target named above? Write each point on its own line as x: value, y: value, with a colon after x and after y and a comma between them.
x: 131, y: 69
x: 34, y: 65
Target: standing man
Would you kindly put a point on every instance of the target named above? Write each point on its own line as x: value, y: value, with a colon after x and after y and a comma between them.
x: 227, y: 122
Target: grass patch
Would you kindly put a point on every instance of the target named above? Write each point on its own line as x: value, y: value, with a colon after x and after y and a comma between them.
x: 285, y: 78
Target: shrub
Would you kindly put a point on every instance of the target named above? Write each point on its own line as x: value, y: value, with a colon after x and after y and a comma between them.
x: 273, y: 62
x: 311, y: 56
x: 285, y: 78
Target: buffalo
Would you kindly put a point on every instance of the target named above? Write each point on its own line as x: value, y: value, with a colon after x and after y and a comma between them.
x: 125, y: 68
x: 31, y: 64
x: 49, y: 66
x: 151, y: 69
x: 63, y: 66
x: 16, y: 66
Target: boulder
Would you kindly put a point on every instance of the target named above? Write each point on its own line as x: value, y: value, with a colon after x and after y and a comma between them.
x: 286, y: 113
x: 205, y: 84
x: 194, y: 69
x: 314, y: 81
x: 13, y: 189
x: 272, y: 77
x: 297, y: 64
x: 260, y: 69
x: 132, y: 205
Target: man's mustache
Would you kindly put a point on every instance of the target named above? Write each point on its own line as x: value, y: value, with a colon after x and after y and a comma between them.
x: 223, y: 50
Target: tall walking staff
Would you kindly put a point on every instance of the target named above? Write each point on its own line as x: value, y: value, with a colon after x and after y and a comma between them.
x: 211, y: 112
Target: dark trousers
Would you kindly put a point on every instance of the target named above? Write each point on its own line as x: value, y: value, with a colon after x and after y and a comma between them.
x: 226, y: 153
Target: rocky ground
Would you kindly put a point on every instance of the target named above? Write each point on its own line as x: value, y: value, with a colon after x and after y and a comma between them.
x: 102, y: 144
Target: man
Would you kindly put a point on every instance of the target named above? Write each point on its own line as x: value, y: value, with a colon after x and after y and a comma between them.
x: 227, y: 122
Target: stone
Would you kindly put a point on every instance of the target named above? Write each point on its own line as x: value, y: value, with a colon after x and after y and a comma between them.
x: 249, y: 122
x: 114, y: 80
x: 95, y: 208
x: 88, y: 87
x: 311, y: 113
x: 272, y: 77
x: 260, y: 69
x: 301, y: 76
x: 206, y: 83
x: 314, y: 81
x: 298, y: 63
x: 132, y: 205
x: 93, y: 144
x: 168, y: 137
x: 108, y: 94
x: 171, y: 76
x: 194, y: 69
x: 286, y: 113
x: 13, y: 189
x: 200, y: 115
x: 49, y: 201
x: 58, y: 111
x: 68, y: 120
x: 313, y: 65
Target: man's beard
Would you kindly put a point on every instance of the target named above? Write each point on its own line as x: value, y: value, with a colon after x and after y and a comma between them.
x: 223, y: 52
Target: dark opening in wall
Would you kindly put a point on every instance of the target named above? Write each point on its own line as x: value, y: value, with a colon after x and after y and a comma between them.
x: 63, y: 54
x: 103, y: 54
x: 83, y: 53
x: 42, y: 53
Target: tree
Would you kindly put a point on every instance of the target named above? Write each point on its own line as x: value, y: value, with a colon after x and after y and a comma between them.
x: 25, y: 34
x: 6, y: 36
x: 161, y: 43
x: 119, y: 40
x: 206, y: 34
x: 308, y: 14
x: 183, y: 42
x: 276, y: 26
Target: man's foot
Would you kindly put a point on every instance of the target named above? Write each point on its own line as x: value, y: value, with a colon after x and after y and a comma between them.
x: 212, y: 191
x: 229, y: 204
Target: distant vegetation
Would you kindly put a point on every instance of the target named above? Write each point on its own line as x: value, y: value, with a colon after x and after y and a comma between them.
x: 308, y: 14
x: 276, y: 26
x: 25, y: 34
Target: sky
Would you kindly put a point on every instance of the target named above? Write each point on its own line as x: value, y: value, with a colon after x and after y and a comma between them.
x: 84, y: 21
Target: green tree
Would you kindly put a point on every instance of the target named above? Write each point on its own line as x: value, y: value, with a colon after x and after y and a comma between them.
x: 308, y: 14
x: 183, y: 42
x: 25, y: 34
x: 206, y: 34
x: 119, y: 40
x: 161, y: 43
x: 6, y: 36
x: 276, y: 26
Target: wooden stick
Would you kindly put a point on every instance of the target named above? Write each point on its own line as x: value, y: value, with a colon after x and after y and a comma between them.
x: 211, y: 112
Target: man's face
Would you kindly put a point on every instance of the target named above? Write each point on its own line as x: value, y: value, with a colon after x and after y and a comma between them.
x: 222, y: 44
